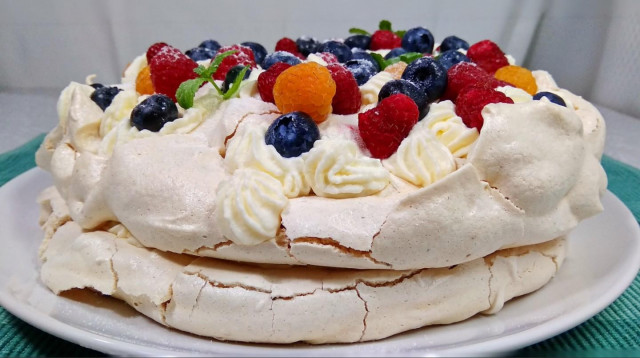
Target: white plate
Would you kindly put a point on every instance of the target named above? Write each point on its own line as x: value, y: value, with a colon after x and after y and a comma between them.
x: 604, y: 258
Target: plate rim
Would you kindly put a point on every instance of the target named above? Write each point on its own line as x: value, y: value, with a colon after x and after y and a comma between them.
x: 503, y: 343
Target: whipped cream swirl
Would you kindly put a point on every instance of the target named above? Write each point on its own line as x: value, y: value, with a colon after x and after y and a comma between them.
x: 247, y: 149
x: 248, y: 206
x: 448, y: 127
x: 421, y: 159
x: 335, y: 168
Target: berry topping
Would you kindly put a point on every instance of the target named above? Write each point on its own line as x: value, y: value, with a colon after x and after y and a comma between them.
x: 384, y: 127
x: 307, y: 45
x: 429, y: 74
x: 267, y: 79
x: 292, y: 134
x: 472, y: 99
x: 169, y: 68
x: 342, y: 51
x: 259, y: 52
x: 362, y: 70
x: 414, y: 91
x: 358, y: 41
x: 453, y: 43
x: 452, y: 57
x: 200, y: 53
x: 242, y: 56
x: 418, y: 39
x: 384, y: 39
x: 395, y: 53
x: 487, y: 55
x: 347, y: 99
x: 154, y: 49
x: 396, y: 69
x: 104, y: 95
x: 519, y: 77
x: 327, y: 57
x: 212, y: 45
x: 307, y: 87
x: 279, y: 56
x: 96, y: 85
x: 153, y: 113
x: 288, y: 45
x: 143, y: 81
x: 461, y: 75
x: 552, y: 97
x: 358, y: 54
x: 231, y: 76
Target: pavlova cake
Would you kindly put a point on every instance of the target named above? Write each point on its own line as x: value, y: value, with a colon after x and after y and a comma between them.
x: 335, y: 191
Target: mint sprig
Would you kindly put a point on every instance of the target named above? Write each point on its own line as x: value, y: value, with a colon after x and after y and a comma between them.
x: 187, y: 89
x: 405, y: 57
x: 357, y: 31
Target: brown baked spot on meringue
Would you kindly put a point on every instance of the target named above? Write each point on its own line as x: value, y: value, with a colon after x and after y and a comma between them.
x: 335, y: 244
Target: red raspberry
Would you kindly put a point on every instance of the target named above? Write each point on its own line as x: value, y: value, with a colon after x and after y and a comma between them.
x: 328, y: 57
x: 267, y: 79
x: 384, y: 127
x: 464, y: 74
x: 472, y: 99
x: 487, y: 55
x: 347, y: 99
x: 242, y: 56
x: 288, y: 45
x: 169, y: 68
x: 384, y: 39
x: 154, y: 49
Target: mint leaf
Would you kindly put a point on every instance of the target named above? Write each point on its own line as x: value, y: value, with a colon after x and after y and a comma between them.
x: 400, y: 33
x: 357, y: 31
x: 410, y: 57
x: 380, y: 60
x: 199, y: 70
x: 187, y: 90
x: 235, y: 86
x: 385, y: 25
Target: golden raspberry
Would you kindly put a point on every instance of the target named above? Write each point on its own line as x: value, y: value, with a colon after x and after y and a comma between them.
x: 306, y: 87
x: 519, y: 77
x: 396, y: 69
x: 143, y: 82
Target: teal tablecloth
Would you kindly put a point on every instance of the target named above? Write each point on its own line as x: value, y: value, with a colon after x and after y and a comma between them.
x: 614, y: 332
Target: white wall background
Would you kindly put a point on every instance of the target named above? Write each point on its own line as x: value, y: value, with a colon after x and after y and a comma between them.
x: 591, y: 47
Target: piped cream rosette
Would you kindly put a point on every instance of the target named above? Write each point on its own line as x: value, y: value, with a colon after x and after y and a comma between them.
x: 210, y: 186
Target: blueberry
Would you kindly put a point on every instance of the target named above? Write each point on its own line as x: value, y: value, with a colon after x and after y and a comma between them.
x: 279, y: 56
x: 453, y: 43
x: 259, y: 52
x: 104, y: 95
x: 358, y: 41
x: 200, y: 53
x: 342, y: 51
x: 428, y: 73
x: 362, y: 70
x: 414, y: 91
x: 418, y: 39
x: 395, y: 53
x: 452, y: 57
x: 97, y: 85
x: 552, y: 97
x: 307, y: 45
x: 153, y: 113
x: 292, y: 134
x: 212, y: 45
x: 231, y: 76
x: 359, y: 54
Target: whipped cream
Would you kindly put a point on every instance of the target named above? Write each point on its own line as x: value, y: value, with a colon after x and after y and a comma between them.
x: 369, y: 91
x: 449, y: 128
x: 247, y: 149
x: 131, y: 73
x: 421, y: 159
x: 248, y: 206
x: 516, y: 94
x: 335, y: 168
